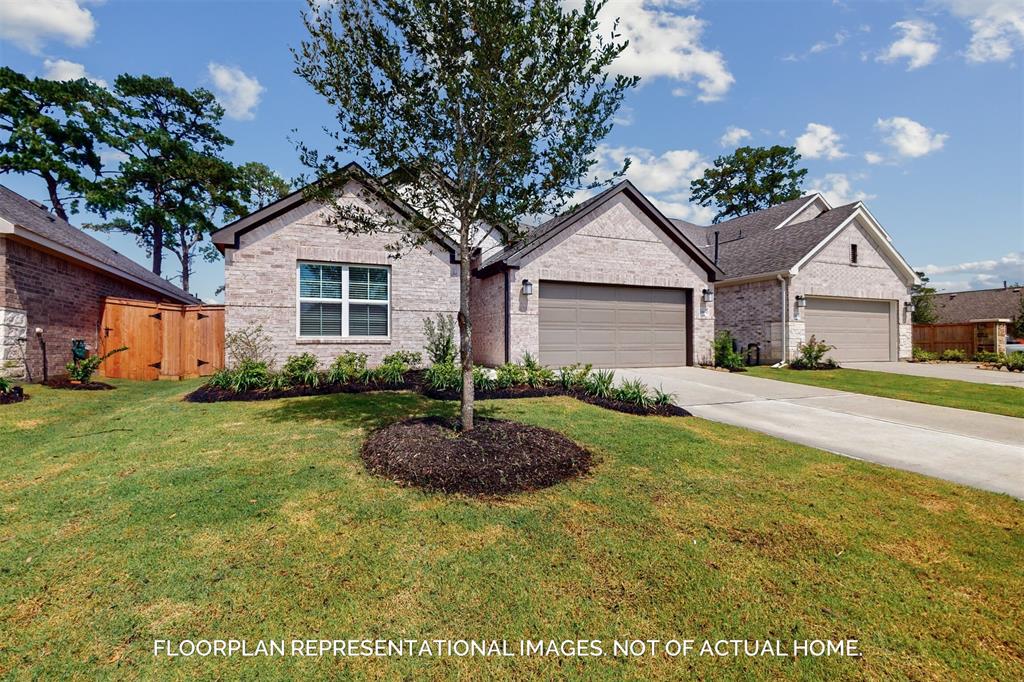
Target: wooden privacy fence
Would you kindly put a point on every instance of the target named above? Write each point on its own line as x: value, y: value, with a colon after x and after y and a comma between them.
x: 164, y: 340
x: 970, y: 337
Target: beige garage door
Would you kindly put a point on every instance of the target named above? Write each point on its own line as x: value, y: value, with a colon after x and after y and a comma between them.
x: 860, y: 329
x: 612, y: 326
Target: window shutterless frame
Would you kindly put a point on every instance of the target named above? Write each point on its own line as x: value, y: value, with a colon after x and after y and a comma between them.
x: 345, y: 300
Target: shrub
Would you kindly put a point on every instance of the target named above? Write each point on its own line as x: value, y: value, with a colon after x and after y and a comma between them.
x: 82, y: 370
x: 1014, y: 361
x: 921, y: 355
x: 410, y: 359
x: 981, y: 356
x: 388, y: 374
x: 725, y: 355
x: 249, y: 344
x: 347, y: 367
x: 440, y: 333
x: 278, y: 381
x: 953, y: 355
x: 600, y: 384
x: 249, y: 375
x: 509, y: 375
x: 443, y: 376
x: 536, y: 374
x: 811, y: 355
x: 661, y: 398
x: 302, y: 370
x: 634, y: 391
x: 574, y: 376
x: 5, y: 385
x: 482, y: 379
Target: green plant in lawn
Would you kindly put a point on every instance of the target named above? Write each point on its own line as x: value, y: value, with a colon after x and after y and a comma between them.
x: 725, y: 355
x: 634, y: 391
x: 443, y: 376
x: 82, y: 370
x: 5, y: 385
x: 574, y: 376
x: 279, y: 381
x: 346, y: 367
x: 922, y: 355
x: 389, y: 373
x: 482, y: 379
x: 811, y: 355
x: 440, y: 333
x: 410, y: 359
x: 510, y: 374
x: 249, y: 375
x: 302, y: 370
x: 536, y: 374
x: 600, y: 384
x: 953, y: 355
x: 662, y: 398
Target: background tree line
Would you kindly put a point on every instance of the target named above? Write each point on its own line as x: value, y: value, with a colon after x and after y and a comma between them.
x: 145, y: 155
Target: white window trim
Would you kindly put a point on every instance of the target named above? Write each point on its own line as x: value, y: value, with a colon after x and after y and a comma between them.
x: 344, y: 300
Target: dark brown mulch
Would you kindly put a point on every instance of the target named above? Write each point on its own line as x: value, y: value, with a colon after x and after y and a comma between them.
x: 633, y: 408
x: 498, y: 393
x: 65, y: 383
x: 15, y: 395
x: 548, y: 391
x: 210, y: 394
x: 496, y: 457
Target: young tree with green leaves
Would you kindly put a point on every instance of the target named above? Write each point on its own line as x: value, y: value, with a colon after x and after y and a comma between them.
x: 261, y: 186
x: 53, y: 130
x: 923, y: 298
x: 171, y: 137
x: 750, y: 179
x: 491, y: 109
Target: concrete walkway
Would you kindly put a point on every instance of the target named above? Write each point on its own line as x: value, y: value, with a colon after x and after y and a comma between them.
x: 974, y: 448
x: 946, y: 370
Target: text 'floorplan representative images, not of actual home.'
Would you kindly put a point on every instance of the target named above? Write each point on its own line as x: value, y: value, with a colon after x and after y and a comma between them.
x: 612, y: 282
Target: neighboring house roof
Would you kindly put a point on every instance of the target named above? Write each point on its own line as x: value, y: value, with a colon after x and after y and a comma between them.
x: 35, y: 224
x: 765, y: 243
x: 985, y: 304
x: 229, y: 236
x: 512, y: 255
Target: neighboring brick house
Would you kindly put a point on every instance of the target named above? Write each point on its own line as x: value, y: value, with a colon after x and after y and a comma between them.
x: 613, y: 282
x: 54, y: 277
x: 981, y: 304
x: 804, y: 268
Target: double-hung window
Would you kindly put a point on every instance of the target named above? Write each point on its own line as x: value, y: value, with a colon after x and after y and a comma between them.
x: 343, y: 300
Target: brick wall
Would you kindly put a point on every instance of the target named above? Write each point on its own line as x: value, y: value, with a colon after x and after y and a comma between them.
x: 63, y: 298
x: 487, y: 313
x: 751, y: 312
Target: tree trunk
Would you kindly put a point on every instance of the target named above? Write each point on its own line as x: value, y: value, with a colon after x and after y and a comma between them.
x: 185, y: 272
x: 51, y: 187
x: 157, y: 234
x: 465, y: 331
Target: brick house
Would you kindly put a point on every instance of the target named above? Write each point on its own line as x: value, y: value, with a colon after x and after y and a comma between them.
x: 979, y: 304
x: 53, y: 278
x: 612, y: 282
x: 804, y: 268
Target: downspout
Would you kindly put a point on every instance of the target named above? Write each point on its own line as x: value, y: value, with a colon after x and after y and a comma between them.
x: 784, y: 281
x: 508, y: 319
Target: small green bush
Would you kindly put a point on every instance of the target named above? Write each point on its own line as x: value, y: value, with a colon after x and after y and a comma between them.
x: 724, y: 354
x: 443, y: 376
x: 662, y: 398
x: 600, y: 384
x: 953, y: 355
x: 574, y: 376
x: 536, y: 374
x: 279, y: 381
x: 922, y: 355
x: 981, y: 356
x: 347, y: 367
x: 811, y: 355
x: 482, y: 380
x: 408, y: 358
x: 634, y: 391
x: 1014, y: 361
x: 82, y: 370
x: 440, y: 333
x: 249, y: 375
x: 5, y: 385
x: 388, y: 374
x: 509, y: 375
x: 302, y: 370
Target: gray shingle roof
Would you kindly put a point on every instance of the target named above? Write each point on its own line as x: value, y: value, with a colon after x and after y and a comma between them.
x: 24, y: 214
x: 984, y: 304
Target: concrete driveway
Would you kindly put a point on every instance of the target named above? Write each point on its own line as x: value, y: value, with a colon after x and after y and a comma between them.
x: 977, y: 449
x: 958, y: 371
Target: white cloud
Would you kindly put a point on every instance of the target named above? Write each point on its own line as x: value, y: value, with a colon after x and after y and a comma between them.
x: 665, y: 43
x: 30, y: 23
x: 984, y: 274
x: 917, y: 44
x: 838, y: 39
x: 838, y: 189
x: 873, y: 157
x: 819, y: 141
x: 908, y: 137
x: 733, y: 136
x: 236, y: 91
x: 997, y: 27
x: 64, y: 70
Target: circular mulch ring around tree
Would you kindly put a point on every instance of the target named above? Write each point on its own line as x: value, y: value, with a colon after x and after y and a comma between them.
x: 65, y: 383
x: 496, y: 457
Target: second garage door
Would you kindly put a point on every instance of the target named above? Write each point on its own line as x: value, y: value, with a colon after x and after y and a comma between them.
x: 860, y: 329
x: 612, y: 326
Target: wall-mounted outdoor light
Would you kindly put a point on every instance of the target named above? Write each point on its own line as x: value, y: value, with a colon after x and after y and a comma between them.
x: 707, y: 295
x: 908, y: 307
x: 527, y: 287
x: 801, y: 302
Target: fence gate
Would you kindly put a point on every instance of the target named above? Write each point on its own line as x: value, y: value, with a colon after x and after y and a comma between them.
x: 164, y: 340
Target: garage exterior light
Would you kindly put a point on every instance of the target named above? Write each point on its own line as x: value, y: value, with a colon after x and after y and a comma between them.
x: 707, y: 295
x: 527, y: 287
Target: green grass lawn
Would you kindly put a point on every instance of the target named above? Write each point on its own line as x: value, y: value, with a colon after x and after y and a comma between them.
x: 966, y: 395
x: 130, y: 515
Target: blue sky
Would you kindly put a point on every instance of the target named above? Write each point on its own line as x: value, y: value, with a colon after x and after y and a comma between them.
x: 915, y: 108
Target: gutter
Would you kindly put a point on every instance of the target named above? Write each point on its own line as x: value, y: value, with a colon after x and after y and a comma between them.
x: 508, y: 319
x: 784, y: 281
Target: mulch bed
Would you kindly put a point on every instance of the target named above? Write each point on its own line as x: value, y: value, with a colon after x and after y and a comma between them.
x: 15, y: 395
x: 65, y: 383
x: 495, y: 458
x: 210, y: 394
